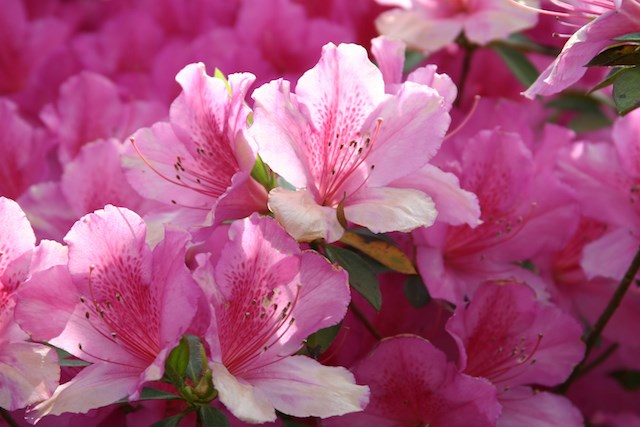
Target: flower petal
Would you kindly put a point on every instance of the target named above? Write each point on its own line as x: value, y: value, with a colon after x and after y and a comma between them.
x: 391, y: 209
x: 302, y: 217
x: 302, y: 387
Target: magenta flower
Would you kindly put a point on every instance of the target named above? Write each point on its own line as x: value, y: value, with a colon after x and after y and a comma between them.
x: 266, y: 297
x: 122, y: 307
x: 507, y: 336
x: 29, y: 372
x: 413, y: 384
x: 607, y: 19
x: 431, y: 25
x: 340, y: 140
x: 201, y: 159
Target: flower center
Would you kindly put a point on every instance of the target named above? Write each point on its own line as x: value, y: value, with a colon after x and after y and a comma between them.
x: 343, y: 160
x: 252, y: 326
x: 125, y: 313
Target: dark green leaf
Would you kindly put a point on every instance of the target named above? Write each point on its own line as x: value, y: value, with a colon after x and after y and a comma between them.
x: 212, y: 417
x: 292, y: 423
x: 626, y: 54
x: 178, y: 359
x: 629, y: 380
x: 317, y: 343
x: 626, y: 90
x: 73, y: 362
x: 586, y: 122
x: 152, y: 394
x: 412, y: 59
x: 611, y: 77
x: 169, y: 422
x: 632, y: 37
x: 67, y: 359
x: 416, y: 291
x: 361, y: 275
x: 196, y: 358
x: 518, y: 63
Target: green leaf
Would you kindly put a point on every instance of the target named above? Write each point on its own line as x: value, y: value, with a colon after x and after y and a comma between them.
x: 626, y: 91
x: 67, y: 359
x: 412, y: 59
x: 292, y: 423
x: 632, y: 37
x: 152, y: 394
x: 626, y: 54
x: 263, y: 174
x: 416, y: 291
x: 212, y: 417
x: 178, y: 359
x: 518, y: 63
x: 169, y: 422
x: 628, y: 379
x: 361, y: 275
x: 197, y: 358
x: 318, y: 342
x: 611, y: 77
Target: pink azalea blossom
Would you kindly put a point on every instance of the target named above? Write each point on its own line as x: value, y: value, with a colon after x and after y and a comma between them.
x: 521, y: 217
x: 340, y: 140
x: 90, y: 107
x: 23, y: 148
x: 607, y: 19
x: 29, y: 371
x: 413, y: 384
x: 266, y: 297
x: 119, y: 305
x: 429, y: 25
x: 201, y: 159
x: 610, y: 175
x: 507, y: 336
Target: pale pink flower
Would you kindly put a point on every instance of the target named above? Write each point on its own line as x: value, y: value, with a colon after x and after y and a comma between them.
x: 120, y: 306
x: 413, y: 384
x: 606, y: 19
x: 266, y: 297
x: 510, y: 338
x: 29, y: 371
x: 340, y: 140
x: 429, y: 25
x: 201, y: 160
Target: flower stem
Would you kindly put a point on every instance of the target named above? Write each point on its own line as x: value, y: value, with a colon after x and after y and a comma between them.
x: 598, y: 327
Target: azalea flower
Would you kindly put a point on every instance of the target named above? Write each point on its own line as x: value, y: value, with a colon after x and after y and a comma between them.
x: 429, y: 25
x: 510, y: 338
x: 117, y: 304
x: 413, y: 384
x: 200, y: 160
x: 606, y: 20
x: 339, y: 140
x: 29, y: 372
x: 266, y: 297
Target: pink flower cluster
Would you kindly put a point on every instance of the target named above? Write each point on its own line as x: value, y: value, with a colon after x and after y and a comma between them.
x: 238, y: 212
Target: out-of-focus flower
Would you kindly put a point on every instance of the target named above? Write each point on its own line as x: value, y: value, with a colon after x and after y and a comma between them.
x: 606, y: 19
x: 413, y: 384
x: 505, y: 335
x: 429, y: 25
